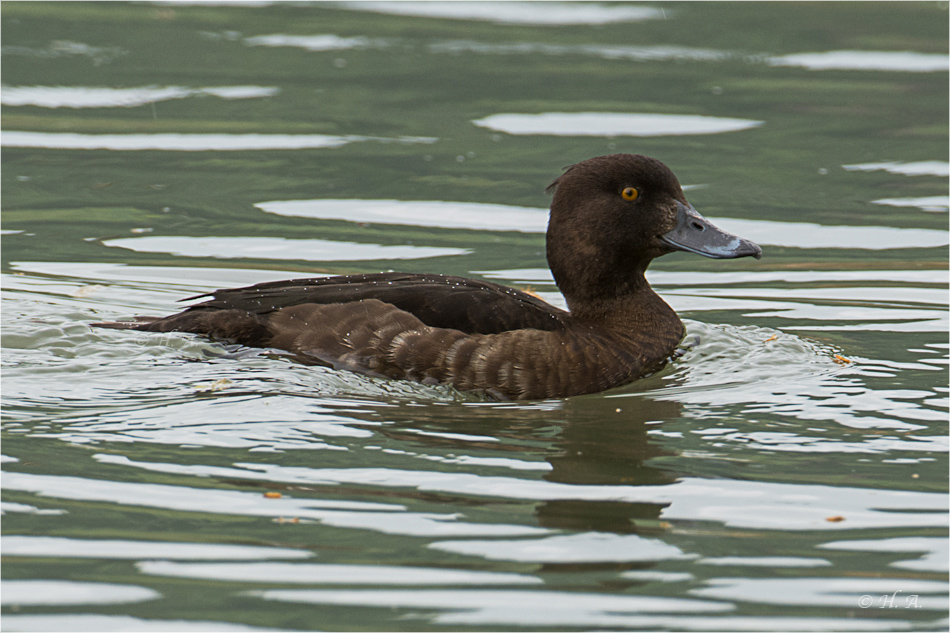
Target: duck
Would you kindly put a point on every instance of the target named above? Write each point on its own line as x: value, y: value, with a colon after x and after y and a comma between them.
x: 610, y: 217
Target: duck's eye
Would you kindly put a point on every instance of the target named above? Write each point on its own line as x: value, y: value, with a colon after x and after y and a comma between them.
x: 630, y: 193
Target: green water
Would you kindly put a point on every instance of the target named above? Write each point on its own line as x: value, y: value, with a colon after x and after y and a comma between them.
x: 789, y: 467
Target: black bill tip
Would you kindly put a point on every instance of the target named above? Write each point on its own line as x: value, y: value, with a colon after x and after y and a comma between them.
x: 695, y: 234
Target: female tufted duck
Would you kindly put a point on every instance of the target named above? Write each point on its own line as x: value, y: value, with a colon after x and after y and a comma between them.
x: 610, y: 217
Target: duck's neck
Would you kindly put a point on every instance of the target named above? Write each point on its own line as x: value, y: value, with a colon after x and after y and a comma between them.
x: 631, y: 307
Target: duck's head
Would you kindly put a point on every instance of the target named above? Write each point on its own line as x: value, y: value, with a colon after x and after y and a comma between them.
x: 612, y: 215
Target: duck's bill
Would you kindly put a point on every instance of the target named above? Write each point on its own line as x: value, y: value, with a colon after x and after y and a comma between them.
x: 696, y: 234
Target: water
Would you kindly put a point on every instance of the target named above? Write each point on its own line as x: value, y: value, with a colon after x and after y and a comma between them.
x: 788, y: 472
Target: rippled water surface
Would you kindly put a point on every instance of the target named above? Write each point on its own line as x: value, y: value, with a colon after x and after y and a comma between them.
x: 787, y: 472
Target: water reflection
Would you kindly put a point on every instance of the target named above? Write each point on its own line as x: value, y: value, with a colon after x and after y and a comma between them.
x: 935, y: 549
x: 9, y: 506
x: 95, y: 623
x: 316, y: 42
x: 434, y: 213
x: 497, y: 217
x: 634, y: 53
x: 534, y: 13
x: 24, y: 593
x: 315, y: 573
x: 261, y: 424
x: 383, y: 518
x: 611, y: 124
x: 97, y: 97
x: 764, y: 561
x: 521, y: 607
x: 277, y: 248
x: 921, y: 168
x: 789, y: 507
x: 928, y: 203
x: 187, y: 142
x: 582, y: 457
x: 866, y: 60
x: 811, y: 592
x: 23, y: 545
x: 67, y: 48
x: 587, y: 547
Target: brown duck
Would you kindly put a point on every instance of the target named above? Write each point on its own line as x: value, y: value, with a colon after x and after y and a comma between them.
x: 610, y: 217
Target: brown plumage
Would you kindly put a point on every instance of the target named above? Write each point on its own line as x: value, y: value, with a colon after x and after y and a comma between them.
x: 478, y: 335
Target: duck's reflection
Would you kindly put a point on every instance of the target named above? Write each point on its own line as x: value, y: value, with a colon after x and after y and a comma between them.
x: 592, y: 440
x: 604, y: 441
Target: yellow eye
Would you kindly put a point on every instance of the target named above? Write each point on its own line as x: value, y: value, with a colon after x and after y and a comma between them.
x: 630, y: 193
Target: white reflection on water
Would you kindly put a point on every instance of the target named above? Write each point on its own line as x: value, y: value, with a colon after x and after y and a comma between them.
x: 188, y: 142
x: 777, y: 506
x: 64, y: 592
x: 277, y: 248
x: 866, y: 60
x: 122, y: 623
x: 98, y: 97
x: 434, y: 213
x: 535, y: 609
x: 832, y: 592
x: 810, y: 235
x: 586, y: 547
x: 177, y: 279
x: 385, y: 518
x: 316, y: 42
x: 764, y: 561
x: 612, y: 124
x: 22, y: 545
x: 920, y: 168
x: 95, y: 623
x: 9, y: 506
x: 928, y: 203
x: 936, y: 550
x: 67, y: 48
x: 604, y: 51
x: 693, y: 278
x: 533, y: 13
x: 497, y: 217
x: 657, y: 576
x: 316, y: 573
x: 511, y: 606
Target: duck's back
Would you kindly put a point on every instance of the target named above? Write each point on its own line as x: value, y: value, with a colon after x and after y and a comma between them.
x: 443, y: 301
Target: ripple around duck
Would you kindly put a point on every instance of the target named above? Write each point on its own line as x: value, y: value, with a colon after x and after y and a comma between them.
x: 762, y: 371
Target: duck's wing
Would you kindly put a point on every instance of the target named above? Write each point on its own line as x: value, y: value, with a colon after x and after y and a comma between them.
x: 442, y: 301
